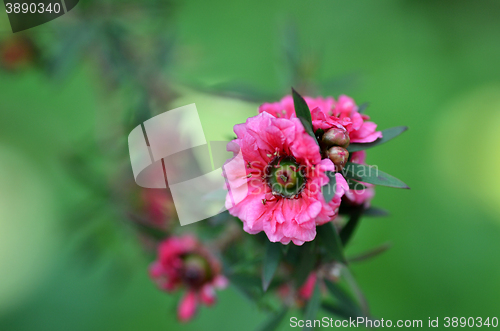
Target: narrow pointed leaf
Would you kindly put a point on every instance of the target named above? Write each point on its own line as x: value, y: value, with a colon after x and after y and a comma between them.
x: 308, y: 128
x: 301, y: 107
x: 271, y: 262
x: 348, y: 229
x: 303, y: 113
x: 372, y: 175
x: 248, y: 285
x: 275, y: 320
x: 345, y: 302
x: 375, y: 212
x: 306, y: 264
x: 331, y: 241
x: 362, y: 107
x: 368, y: 212
x: 338, y: 310
x: 354, y: 185
x: 313, y: 305
x: 285, y: 248
x: 329, y: 189
x: 371, y: 253
x: 387, y: 135
x: 360, y: 297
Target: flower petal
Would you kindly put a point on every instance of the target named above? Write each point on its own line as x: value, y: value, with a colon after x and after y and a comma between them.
x: 187, y: 306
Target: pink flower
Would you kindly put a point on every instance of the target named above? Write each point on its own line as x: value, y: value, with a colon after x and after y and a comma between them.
x: 184, y: 262
x: 284, y: 174
x: 327, y: 113
x: 364, y: 196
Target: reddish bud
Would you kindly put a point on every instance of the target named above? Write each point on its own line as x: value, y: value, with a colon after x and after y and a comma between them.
x: 336, y: 137
x: 339, y: 156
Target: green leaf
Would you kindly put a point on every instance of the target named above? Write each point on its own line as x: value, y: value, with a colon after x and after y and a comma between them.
x: 271, y: 262
x: 362, y: 107
x: 274, y: 321
x: 371, y: 253
x: 306, y: 264
x: 248, y: 285
x: 346, y: 303
x: 308, y: 128
x: 303, y: 113
x: 318, y: 134
x: 331, y: 241
x: 285, y: 249
x: 387, y: 135
x: 346, y: 209
x: 328, y: 190
x: 371, y: 174
x: 362, y: 304
x: 337, y: 310
x: 375, y: 212
x: 348, y: 229
x: 313, y: 305
x: 354, y: 185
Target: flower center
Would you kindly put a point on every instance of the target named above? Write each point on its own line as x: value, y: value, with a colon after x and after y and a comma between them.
x: 285, y: 177
x: 196, y: 270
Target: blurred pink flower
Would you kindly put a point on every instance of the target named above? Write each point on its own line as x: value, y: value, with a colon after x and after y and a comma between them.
x: 184, y: 262
x: 327, y: 113
x: 284, y: 174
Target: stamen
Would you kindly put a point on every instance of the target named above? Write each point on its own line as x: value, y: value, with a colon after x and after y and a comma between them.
x: 285, y: 177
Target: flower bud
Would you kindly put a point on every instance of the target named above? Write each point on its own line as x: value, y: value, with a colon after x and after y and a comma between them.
x: 196, y: 270
x: 336, y: 137
x: 339, y: 156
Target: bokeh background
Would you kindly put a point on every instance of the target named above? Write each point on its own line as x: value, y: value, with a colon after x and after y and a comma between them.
x: 430, y: 65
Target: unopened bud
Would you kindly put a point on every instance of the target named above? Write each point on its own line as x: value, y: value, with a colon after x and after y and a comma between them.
x: 196, y: 270
x: 336, y: 137
x: 339, y: 156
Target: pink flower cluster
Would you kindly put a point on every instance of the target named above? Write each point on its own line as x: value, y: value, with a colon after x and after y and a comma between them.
x: 278, y: 152
x: 184, y: 263
x: 327, y: 113
x: 285, y: 169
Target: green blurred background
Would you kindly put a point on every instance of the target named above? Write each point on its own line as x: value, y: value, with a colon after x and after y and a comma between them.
x: 431, y: 65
